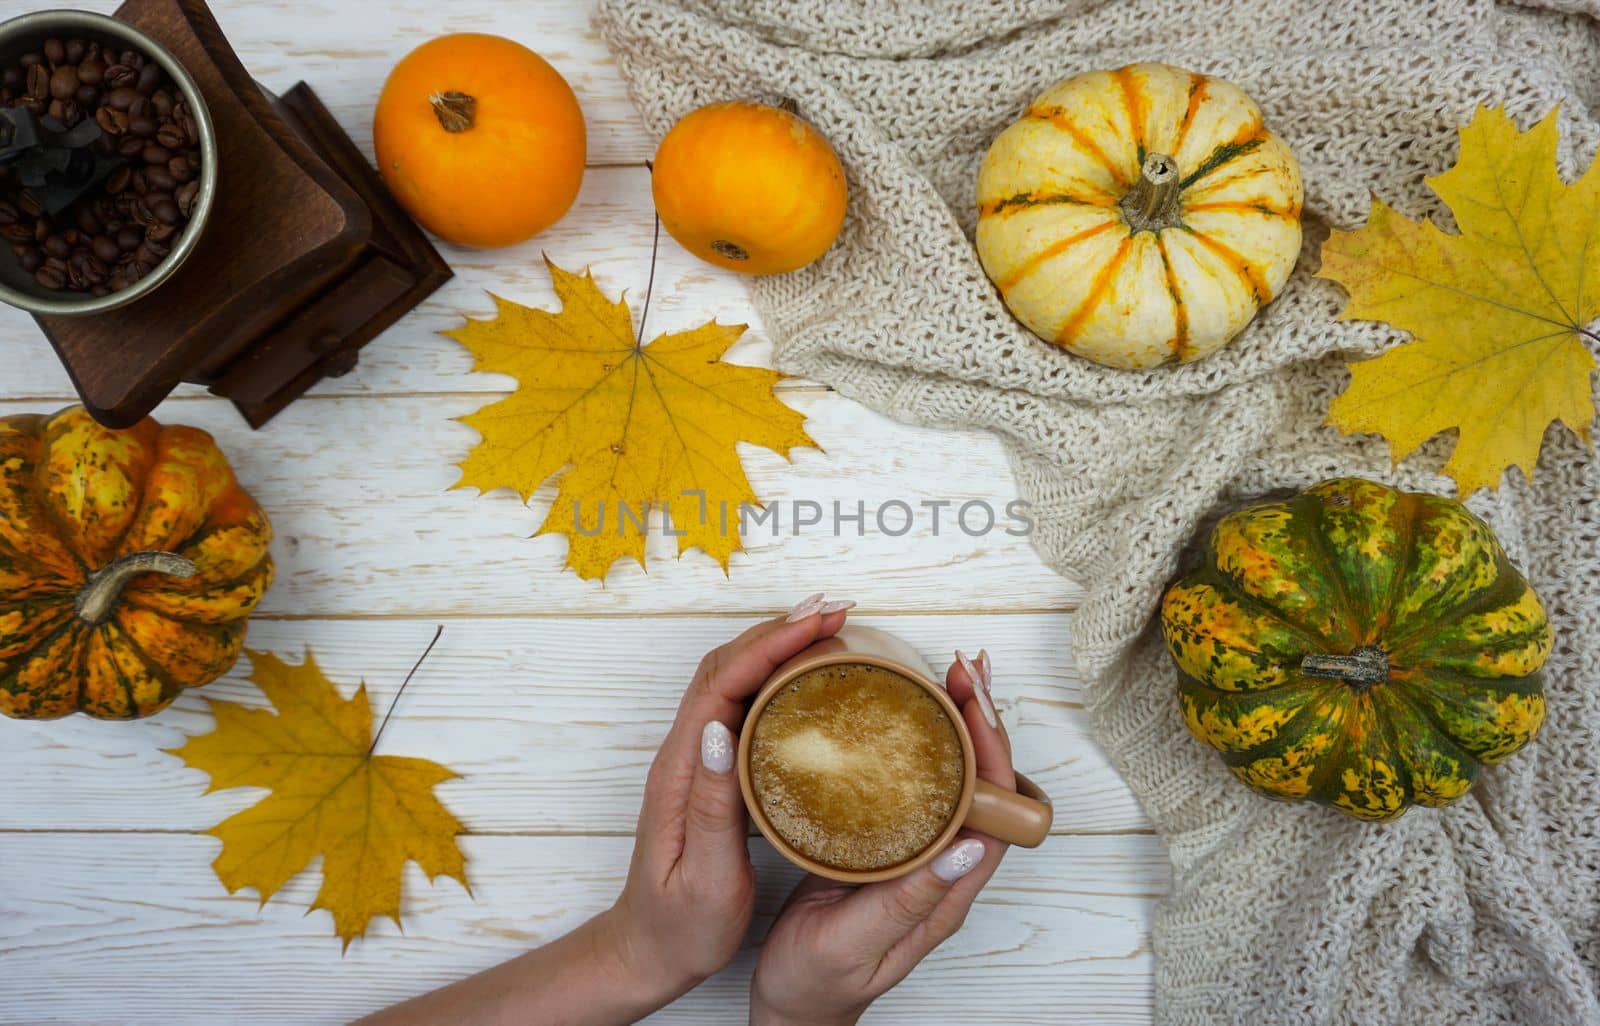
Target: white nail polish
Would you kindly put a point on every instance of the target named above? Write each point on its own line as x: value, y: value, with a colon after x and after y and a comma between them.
x: 986, y: 707
x: 716, y: 747
x: 807, y: 606
x: 970, y: 670
x: 983, y: 668
x: 837, y: 606
x: 958, y: 860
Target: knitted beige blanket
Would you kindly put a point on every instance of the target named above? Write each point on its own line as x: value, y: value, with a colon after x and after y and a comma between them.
x: 1486, y: 912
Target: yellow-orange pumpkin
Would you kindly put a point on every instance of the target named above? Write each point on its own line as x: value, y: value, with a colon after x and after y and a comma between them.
x: 479, y: 139
x: 749, y: 187
x: 129, y: 561
x: 1139, y: 216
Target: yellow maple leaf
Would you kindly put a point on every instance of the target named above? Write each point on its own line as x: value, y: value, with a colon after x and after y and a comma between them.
x: 1501, y: 312
x: 365, y: 814
x: 641, y: 426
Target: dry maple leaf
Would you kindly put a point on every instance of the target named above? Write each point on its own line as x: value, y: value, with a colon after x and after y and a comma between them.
x: 1500, y: 312
x: 640, y: 426
x: 365, y: 814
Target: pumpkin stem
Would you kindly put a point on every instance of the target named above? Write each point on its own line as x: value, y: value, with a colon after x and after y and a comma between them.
x: 455, y: 111
x: 98, y: 599
x: 1152, y: 203
x: 1362, y: 668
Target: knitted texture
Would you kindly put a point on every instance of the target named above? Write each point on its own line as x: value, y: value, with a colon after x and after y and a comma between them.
x: 1486, y: 912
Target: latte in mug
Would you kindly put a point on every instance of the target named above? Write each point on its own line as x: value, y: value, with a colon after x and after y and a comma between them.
x: 856, y: 767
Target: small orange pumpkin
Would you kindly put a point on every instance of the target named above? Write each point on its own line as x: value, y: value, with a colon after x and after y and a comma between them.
x: 749, y: 187
x: 479, y: 139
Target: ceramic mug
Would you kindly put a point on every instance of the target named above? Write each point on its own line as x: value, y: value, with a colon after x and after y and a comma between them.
x: 1020, y: 817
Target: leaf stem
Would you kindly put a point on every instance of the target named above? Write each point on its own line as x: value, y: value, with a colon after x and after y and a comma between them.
x: 650, y: 288
x: 425, y: 652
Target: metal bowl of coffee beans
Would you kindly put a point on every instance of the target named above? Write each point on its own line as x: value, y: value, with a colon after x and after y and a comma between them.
x: 108, y: 163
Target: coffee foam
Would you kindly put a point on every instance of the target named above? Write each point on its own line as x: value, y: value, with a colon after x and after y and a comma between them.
x: 856, y: 767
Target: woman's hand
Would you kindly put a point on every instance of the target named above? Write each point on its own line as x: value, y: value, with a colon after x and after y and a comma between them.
x: 691, y: 890
x: 836, y: 948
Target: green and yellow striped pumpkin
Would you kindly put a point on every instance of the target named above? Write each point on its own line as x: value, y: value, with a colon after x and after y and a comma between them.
x: 129, y: 562
x: 1139, y: 216
x: 1358, y: 646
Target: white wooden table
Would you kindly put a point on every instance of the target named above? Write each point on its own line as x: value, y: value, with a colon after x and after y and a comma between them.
x: 548, y: 694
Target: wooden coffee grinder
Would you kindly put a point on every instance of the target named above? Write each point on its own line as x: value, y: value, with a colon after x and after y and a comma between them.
x: 304, y: 260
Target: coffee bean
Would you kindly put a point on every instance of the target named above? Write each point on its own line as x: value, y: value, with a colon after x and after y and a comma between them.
x: 21, y: 232
x: 161, y: 101
x: 178, y: 170
x: 120, y: 76
x: 38, y: 82
x: 170, y: 135
x: 28, y: 60
x: 54, y: 51
x: 76, y: 49
x: 87, y: 95
x: 92, y: 72
x: 73, y: 236
x: 64, y: 82
x: 29, y: 204
x: 12, y: 78
x: 149, y: 77
x: 132, y: 58
x: 141, y: 125
x: 155, y: 153
x: 122, y: 97
x: 8, y: 213
x: 100, y: 291
x: 119, y: 179
x: 31, y: 259
x: 37, y: 107
x: 70, y: 113
x: 191, y: 131
x: 118, y: 281
x: 57, y: 246
x: 93, y: 269
x: 128, y: 239
x: 130, y: 146
x: 159, y: 178
x: 139, y: 269
x: 50, y: 278
x: 41, y: 229
x: 166, y: 208
x: 105, y: 248
x: 87, y: 222
x: 185, y: 197
x: 160, y: 233
x: 112, y: 122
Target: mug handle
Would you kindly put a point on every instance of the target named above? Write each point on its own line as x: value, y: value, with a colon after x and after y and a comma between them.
x: 1021, y: 817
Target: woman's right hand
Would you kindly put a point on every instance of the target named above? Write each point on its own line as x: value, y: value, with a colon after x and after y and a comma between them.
x: 835, y: 948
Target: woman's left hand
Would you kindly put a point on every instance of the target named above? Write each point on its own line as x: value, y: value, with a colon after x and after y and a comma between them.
x: 691, y: 890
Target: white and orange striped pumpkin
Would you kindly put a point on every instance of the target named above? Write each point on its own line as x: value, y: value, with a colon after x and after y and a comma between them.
x: 1139, y: 216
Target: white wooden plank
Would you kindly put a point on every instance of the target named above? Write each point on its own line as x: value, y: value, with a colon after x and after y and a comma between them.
x: 367, y: 523
x: 132, y: 929
x: 551, y: 722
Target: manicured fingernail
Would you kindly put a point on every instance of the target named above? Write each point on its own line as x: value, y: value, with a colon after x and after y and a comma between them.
x: 716, y: 747
x: 958, y: 860
x: 836, y: 606
x: 983, y: 668
x: 971, y: 671
x: 808, y: 606
x: 986, y: 706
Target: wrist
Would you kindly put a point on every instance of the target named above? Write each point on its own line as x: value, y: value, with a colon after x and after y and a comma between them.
x: 763, y: 1014
x: 633, y: 965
